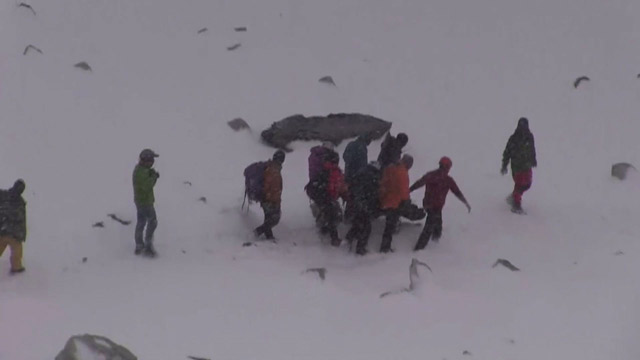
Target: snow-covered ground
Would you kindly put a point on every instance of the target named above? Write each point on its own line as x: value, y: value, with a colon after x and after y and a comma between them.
x: 455, y: 75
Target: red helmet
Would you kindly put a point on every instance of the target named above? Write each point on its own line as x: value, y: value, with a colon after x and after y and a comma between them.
x: 445, y: 162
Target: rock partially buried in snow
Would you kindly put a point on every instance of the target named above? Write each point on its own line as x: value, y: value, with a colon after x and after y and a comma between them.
x: 90, y: 347
x: 234, y: 47
x: 505, y: 263
x: 83, y: 65
x: 620, y: 170
x: 327, y: 80
x: 333, y: 128
x: 238, y: 124
x: 203, y: 30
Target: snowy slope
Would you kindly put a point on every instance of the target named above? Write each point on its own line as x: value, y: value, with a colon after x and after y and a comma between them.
x: 454, y: 75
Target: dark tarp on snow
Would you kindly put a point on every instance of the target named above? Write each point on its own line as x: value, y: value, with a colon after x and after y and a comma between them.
x: 333, y: 128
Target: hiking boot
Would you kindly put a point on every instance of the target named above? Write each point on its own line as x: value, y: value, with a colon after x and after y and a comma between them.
x: 387, y: 250
x: 150, y: 251
x: 362, y: 251
x: 138, y: 250
x: 17, y: 271
x: 517, y: 209
x: 509, y: 199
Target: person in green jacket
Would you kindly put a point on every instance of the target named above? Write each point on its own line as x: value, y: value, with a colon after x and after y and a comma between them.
x: 521, y: 152
x: 144, y: 179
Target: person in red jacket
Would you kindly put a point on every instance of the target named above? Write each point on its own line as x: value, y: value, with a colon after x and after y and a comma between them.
x: 394, y: 192
x: 437, y: 184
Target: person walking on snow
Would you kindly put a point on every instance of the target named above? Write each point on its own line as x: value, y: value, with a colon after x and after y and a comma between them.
x: 144, y: 179
x: 272, y: 195
x: 13, y: 224
x: 521, y: 152
x: 363, y: 192
x: 394, y: 193
x: 437, y: 184
x: 355, y: 158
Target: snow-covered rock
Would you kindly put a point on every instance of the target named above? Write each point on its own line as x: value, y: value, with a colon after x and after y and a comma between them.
x: 94, y: 347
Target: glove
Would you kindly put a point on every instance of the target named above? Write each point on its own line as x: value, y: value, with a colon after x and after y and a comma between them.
x: 154, y: 173
x: 503, y: 171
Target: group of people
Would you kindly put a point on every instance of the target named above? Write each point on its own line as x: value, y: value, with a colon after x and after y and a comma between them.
x: 369, y: 190
x: 381, y: 188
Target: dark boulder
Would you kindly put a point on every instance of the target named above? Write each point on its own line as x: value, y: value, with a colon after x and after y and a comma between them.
x: 333, y: 128
x: 620, y: 170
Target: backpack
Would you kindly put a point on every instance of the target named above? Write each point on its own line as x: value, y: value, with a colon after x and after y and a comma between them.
x: 9, y: 214
x: 254, y: 180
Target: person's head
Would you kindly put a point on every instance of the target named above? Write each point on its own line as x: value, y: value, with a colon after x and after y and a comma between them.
x: 402, y: 139
x: 18, y: 186
x: 523, y: 123
x: 278, y: 157
x: 333, y: 158
x: 445, y: 163
x: 147, y: 157
x: 407, y: 160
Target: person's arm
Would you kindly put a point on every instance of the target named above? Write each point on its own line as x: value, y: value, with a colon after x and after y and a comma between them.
x: 418, y: 184
x: 506, y: 155
x: 456, y: 191
x: 534, y: 161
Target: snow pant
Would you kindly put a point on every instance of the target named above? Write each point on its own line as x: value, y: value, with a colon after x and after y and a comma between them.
x: 16, y: 251
x: 522, y: 182
x: 432, y: 228
x: 272, y: 215
x: 360, y: 229
x: 146, y: 217
x: 393, y: 215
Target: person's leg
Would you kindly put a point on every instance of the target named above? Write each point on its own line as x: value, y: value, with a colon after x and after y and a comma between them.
x: 152, y: 223
x: 437, y: 225
x: 272, y: 215
x: 426, y: 233
x: 333, y: 213
x: 389, y: 228
x: 140, y: 224
x: 16, y: 255
x: 522, y: 183
x: 363, y: 236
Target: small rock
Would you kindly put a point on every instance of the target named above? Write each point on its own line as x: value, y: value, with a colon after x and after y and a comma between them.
x: 327, y: 80
x: 618, y: 253
x: 620, y: 170
x: 188, y: 183
x: 84, y: 260
x: 466, y: 352
x: 116, y: 218
x: 240, y: 29
x: 505, y: 263
x: 234, y: 47
x: 83, y: 65
x: 97, y: 347
x: 203, y: 199
x: 99, y: 224
x: 27, y: 6
x: 579, y: 80
x: 197, y: 358
x: 247, y: 244
x: 184, y: 251
x: 202, y: 30
x: 238, y: 124
x: 31, y: 47
x: 322, y: 272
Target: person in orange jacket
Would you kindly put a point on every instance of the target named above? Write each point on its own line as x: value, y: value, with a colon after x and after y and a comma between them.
x: 272, y: 193
x: 394, y: 192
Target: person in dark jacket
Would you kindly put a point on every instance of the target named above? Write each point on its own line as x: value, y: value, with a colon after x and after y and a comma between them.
x: 363, y: 191
x: 391, y: 149
x: 13, y: 224
x: 144, y: 179
x: 355, y: 158
x: 272, y: 195
x: 521, y: 152
x: 437, y: 184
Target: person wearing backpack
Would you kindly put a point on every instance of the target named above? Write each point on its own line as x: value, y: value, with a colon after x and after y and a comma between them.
x: 363, y: 191
x: 437, y: 185
x: 13, y: 224
x: 355, y: 158
x: 324, y: 191
x: 394, y: 193
x: 317, y: 156
x: 271, y: 195
x: 144, y: 179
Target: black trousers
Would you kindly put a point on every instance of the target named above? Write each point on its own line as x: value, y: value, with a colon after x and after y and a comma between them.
x: 432, y: 228
x: 146, y: 217
x: 393, y: 215
x: 360, y: 229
